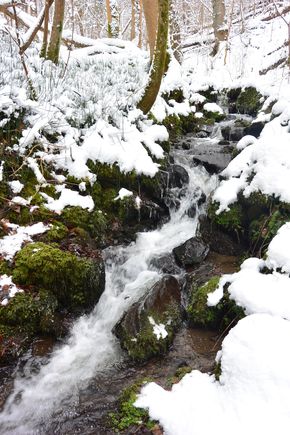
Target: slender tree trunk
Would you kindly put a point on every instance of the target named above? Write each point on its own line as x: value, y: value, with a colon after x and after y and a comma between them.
x: 133, y: 20
x: 43, y: 50
x: 175, y: 38
x: 109, y: 18
x: 56, y: 31
x: 219, y: 23
x: 140, y: 23
x: 150, y: 8
x: 159, y: 58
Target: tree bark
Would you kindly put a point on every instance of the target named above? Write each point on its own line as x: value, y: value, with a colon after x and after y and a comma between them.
x: 151, y: 9
x: 43, y: 50
x: 140, y: 38
x: 219, y: 23
x: 159, y: 59
x: 56, y: 31
x: 133, y: 20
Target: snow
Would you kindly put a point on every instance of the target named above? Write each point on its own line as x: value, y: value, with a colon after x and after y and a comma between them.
x: 70, y: 198
x: 158, y: 329
x: 1, y: 170
x: 251, y: 396
x: 213, y: 107
x: 123, y: 193
x: 7, y: 289
x: 263, y: 165
x: 253, y: 390
x: 12, y: 243
x: 16, y: 186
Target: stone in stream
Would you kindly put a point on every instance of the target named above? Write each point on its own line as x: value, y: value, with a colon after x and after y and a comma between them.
x: 191, y: 252
x: 148, y: 327
x: 178, y: 176
x: 166, y: 264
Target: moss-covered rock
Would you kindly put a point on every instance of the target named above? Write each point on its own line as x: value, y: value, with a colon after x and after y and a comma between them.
x: 217, y: 317
x: 249, y: 101
x: 128, y: 415
x: 232, y: 220
x: 75, y: 282
x: 148, y: 327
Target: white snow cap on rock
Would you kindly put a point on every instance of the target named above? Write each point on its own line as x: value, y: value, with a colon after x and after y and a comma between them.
x: 123, y: 193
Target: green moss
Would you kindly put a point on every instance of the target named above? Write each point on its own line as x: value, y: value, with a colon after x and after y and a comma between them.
x: 57, y: 233
x: 210, y: 94
x: 178, y: 375
x: 75, y: 282
x: 233, y: 219
x: 145, y: 344
x: 217, y: 317
x: 95, y: 223
x: 176, y: 95
x: 249, y: 101
x: 4, y: 268
x: 128, y: 415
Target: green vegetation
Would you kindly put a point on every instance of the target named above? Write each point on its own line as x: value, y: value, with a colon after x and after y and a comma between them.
x: 75, y: 282
x: 249, y: 101
x: 145, y: 344
x: 217, y: 317
x: 128, y: 415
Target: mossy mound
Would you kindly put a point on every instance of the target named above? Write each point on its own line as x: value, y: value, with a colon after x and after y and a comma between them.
x: 217, y: 317
x: 249, y: 101
x: 128, y: 416
x: 147, y: 329
x: 75, y: 282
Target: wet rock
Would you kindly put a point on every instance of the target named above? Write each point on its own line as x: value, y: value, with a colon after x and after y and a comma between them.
x: 233, y: 133
x: 148, y: 327
x: 218, y: 240
x: 192, y: 211
x: 178, y: 176
x: 192, y: 252
x: 255, y: 129
x: 213, y: 163
x: 201, y: 134
x: 166, y: 264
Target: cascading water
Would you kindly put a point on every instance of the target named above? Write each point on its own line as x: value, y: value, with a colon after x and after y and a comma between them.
x: 91, y: 346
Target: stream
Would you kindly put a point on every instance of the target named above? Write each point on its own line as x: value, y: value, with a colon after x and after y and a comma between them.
x: 46, y: 387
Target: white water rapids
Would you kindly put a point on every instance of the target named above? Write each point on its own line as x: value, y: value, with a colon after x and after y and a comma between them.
x: 91, y: 346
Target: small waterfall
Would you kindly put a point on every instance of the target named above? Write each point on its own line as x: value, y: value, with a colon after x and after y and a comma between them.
x: 91, y: 347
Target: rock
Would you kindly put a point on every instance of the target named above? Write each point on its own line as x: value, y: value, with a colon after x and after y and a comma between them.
x: 192, y: 211
x: 166, y: 264
x: 75, y: 282
x: 233, y: 133
x: 192, y: 252
x: 148, y: 327
x: 213, y: 163
x: 218, y: 240
x: 201, y: 134
x: 255, y: 129
x: 178, y: 176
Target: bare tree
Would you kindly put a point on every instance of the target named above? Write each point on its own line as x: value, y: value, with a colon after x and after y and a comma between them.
x: 56, y: 31
x: 219, y: 23
x: 150, y: 8
x: 159, y: 59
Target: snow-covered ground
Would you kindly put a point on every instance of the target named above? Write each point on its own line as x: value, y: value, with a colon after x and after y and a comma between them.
x: 252, y: 394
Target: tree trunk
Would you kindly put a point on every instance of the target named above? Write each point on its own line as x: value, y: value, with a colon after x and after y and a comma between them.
x: 48, y: 3
x: 140, y: 23
x: 56, y: 31
x: 219, y: 24
x: 159, y: 58
x: 175, y: 37
x: 133, y: 20
x: 109, y: 18
x: 150, y: 8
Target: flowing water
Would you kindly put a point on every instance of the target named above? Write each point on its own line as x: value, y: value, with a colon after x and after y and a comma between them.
x: 91, y: 347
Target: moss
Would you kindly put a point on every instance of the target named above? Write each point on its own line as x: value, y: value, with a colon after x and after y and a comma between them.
x: 210, y: 94
x: 233, y: 94
x: 263, y: 229
x: 95, y: 223
x: 232, y: 220
x: 128, y: 415
x: 145, y: 344
x: 57, y: 233
x: 4, y: 268
x: 214, y: 116
x: 178, y: 375
x: 176, y: 95
x: 75, y: 282
x: 249, y: 101
x: 217, y: 317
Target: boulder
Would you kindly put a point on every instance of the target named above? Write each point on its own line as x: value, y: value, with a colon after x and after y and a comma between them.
x: 255, y: 129
x: 147, y: 329
x: 166, y: 264
x: 76, y: 282
x: 177, y: 176
x: 218, y: 240
x: 191, y: 252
